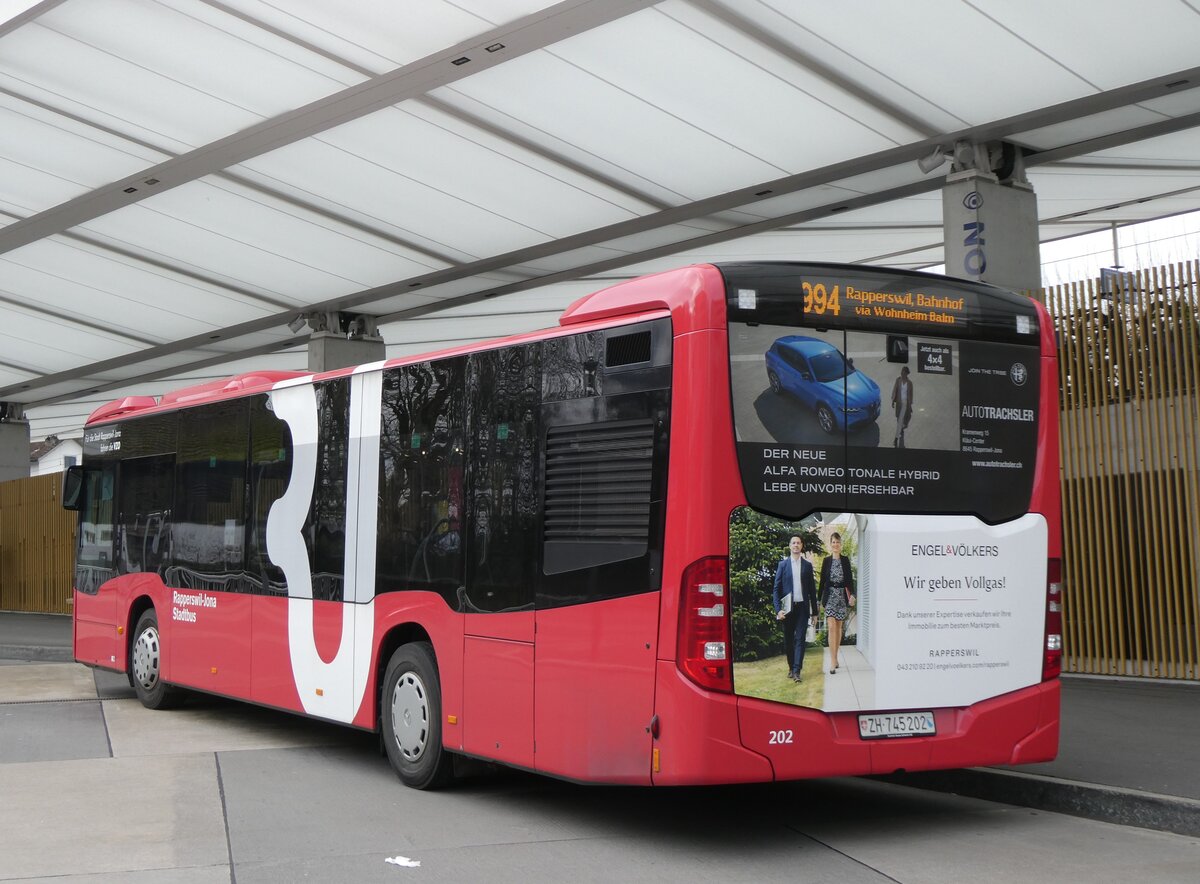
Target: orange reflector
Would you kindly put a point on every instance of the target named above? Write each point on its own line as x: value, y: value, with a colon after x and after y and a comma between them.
x: 120, y: 630
x: 213, y: 670
x: 655, y: 761
x: 452, y: 719
x: 320, y: 692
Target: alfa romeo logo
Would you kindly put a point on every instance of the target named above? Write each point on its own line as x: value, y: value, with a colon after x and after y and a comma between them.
x: 1018, y: 374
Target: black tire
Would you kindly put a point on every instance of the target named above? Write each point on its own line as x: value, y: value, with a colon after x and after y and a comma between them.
x: 825, y: 419
x: 145, y: 670
x: 776, y: 386
x: 410, y: 712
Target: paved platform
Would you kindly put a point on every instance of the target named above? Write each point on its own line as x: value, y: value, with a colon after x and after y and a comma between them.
x: 98, y: 789
x: 1128, y: 752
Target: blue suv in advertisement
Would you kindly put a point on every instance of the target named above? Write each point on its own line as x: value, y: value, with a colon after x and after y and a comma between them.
x: 816, y: 373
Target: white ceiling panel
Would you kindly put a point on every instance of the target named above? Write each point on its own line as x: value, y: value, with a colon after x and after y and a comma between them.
x: 954, y: 55
x: 62, y: 158
x: 811, y: 124
x: 101, y: 286
x: 190, y: 72
x: 293, y: 258
x: 1084, y: 39
x: 567, y: 101
x: 310, y: 156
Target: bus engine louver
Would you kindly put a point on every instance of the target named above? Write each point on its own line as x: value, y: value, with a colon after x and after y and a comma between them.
x: 598, y: 493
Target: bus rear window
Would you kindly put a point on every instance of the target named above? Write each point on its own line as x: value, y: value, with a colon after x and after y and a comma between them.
x: 902, y: 394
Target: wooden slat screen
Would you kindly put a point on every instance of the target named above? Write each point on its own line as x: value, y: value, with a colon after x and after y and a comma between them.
x: 37, y: 546
x: 1128, y: 362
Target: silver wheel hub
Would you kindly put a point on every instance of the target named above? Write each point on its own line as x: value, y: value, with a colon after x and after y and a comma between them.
x: 145, y: 658
x: 410, y: 716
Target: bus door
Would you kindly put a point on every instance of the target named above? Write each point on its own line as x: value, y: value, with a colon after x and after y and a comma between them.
x: 605, y: 420
x: 504, y: 388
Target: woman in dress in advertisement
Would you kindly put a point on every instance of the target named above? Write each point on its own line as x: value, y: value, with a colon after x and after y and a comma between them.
x: 837, y: 595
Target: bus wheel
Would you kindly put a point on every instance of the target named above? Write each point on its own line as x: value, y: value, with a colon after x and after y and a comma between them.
x: 412, y: 718
x: 145, y: 665
x: 825, y: 418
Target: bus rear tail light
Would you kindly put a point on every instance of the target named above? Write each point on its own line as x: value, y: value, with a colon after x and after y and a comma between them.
x: 703, y: 649
x: 1052, y: 663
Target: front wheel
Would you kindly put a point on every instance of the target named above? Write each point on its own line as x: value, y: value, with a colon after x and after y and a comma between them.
x: 145, y: 665
x: 411, y: 714
x: 773, y: 380
x: 825, y: 418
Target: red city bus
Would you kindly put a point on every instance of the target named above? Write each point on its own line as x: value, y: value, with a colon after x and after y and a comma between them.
x: 570, y: 551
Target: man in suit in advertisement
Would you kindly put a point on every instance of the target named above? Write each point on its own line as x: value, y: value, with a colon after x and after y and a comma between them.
x: 795, y: 600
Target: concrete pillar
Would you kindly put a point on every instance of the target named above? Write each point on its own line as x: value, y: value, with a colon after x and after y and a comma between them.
x: 14, y: 442
x: 991, y: 223
x: 339, y: 340
x: 330, y: 350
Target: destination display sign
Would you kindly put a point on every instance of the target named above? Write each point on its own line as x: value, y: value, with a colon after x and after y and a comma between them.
x: 832, y: 296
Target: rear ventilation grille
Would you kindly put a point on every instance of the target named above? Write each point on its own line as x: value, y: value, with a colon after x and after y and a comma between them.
x: 598, y: 494
x: 627, y: 349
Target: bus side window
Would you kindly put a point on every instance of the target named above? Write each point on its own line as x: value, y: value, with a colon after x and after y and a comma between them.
x: 94, y: 556
x: 421, y: 479
x: 325, y: 528
x: 270, y: 470
x: 503, y: 417
x: 210, y: 495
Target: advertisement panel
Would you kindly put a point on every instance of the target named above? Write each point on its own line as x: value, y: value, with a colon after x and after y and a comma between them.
x: 944, y: 611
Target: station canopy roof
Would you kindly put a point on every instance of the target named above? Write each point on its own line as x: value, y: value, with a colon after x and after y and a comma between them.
x: 180, y: 179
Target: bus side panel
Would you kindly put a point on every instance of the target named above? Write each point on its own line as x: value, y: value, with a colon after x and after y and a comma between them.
x: 699, y: 742
x: 208, y: 643
x: 498, y: 700
x: 95, y: 638
x: 1047, y: 494
x: 398, y: 612
x: 273, y: 683
x: 703, y: 483
x: 594, y: 689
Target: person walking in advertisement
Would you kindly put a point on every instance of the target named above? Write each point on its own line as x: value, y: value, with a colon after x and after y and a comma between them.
x: 795, y: 600
x: 837, y: 595
x: 902, y: 398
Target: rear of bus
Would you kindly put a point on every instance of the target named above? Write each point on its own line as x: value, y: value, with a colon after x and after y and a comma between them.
x: 914, y: 417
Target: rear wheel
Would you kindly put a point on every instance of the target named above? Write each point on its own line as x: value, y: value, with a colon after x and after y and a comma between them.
x: 145, y: 665
x: 411, y: 714
x: 825, y: 418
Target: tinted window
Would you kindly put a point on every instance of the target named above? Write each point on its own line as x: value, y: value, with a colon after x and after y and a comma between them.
x: 270, y: 469
x: 326, y: 525
x: 505, y: 395
x: 147, y: 489
x: 421, y: 479
x: 210, y: 497
x: 94, y: 555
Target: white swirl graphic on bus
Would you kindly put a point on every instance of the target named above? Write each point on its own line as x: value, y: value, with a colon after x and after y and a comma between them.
x: 332, y: 690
